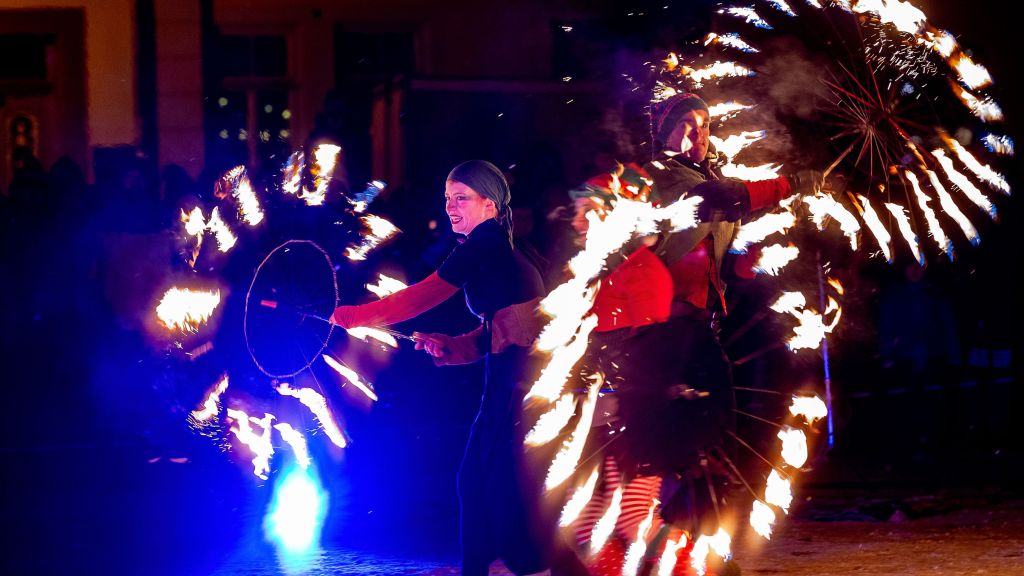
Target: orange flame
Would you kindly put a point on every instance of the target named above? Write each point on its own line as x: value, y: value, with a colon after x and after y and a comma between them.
x: 318, y: 406
x: 297, y: 441
x: 380, y: 230
x: 875, y: 225
x: 186, y: 310
x: 386, y: 285
x: 568, y: 457
x: 606, y: 524
x: 259, y: 444
x: 762, y: 518
x: 211, y: 404
x: 580, y: 497
x: 775, y: 257
x: 551, y: 422
x: 351, y: 376
x: 794, y: 446
x: 778, y: 492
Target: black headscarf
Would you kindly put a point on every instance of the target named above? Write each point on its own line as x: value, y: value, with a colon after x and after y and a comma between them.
x: 488, y: 181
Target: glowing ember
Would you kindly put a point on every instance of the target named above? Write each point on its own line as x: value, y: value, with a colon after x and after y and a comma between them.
x: 929, y: 215
x: 318, y: 406
x: 757, y: 230
x: 878, y: 230
x: 837, y: 285
x: 903, y: 222
x: 1002, y: 145
x: 635, y: 552
x: 794, y: 446
x: 823, y: 205
x: 351, y: 376
x: 365, y: 332
x: 211, y: 405
x: 259, y: 444
x: 732, y: 41
x: 380, y: 230
x: 580, y: 497
x: 982, y: 171
x: 719, y: 544
x: 185, y: 310
x: 734, y: 144
x: 671, y: 61
x: 762, y: 518
x: 553, y: 377
x: 747, y: 14
x: 564, y: 464
x: 606, y: 524
x: 717, y: 70
x: 810, y: 408
x: 974, y: 76
x: 386, y: 285
x: 775, y: 257
x: 551, y: 422
x: 778, y: 492
x: 667, y: 562
x: 297, y: 441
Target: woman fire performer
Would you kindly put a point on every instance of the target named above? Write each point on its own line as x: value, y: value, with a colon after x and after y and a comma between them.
x: 500, y: 496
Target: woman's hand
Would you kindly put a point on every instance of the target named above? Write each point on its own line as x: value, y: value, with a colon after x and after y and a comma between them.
x: 433, y: 344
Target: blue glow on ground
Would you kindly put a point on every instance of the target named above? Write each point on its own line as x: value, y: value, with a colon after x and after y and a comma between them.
x: 296, y: 516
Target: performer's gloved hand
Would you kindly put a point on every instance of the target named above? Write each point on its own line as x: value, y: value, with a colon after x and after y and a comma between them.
x: 344, y: 316
x: 727, y: 199
x: 807, y: 182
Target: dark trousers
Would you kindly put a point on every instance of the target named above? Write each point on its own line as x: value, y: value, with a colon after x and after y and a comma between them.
x: 499, y: 494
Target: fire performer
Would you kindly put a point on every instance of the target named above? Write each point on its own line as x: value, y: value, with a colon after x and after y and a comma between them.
x: 635, y: 295
x: 499, y: 494
x: 681, y: 421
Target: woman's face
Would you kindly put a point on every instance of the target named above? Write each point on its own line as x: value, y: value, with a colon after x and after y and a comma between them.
x: 466, y: 209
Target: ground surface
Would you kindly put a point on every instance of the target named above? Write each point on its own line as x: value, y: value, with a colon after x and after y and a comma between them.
x: 832, y: 534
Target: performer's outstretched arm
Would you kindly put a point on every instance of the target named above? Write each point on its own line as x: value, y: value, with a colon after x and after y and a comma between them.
x: 402, y: 305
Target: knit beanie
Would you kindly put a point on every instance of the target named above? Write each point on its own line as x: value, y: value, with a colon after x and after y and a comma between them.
x: 667, y: 113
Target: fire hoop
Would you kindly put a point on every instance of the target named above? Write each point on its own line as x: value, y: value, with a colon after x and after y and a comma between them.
x: 287, y: 308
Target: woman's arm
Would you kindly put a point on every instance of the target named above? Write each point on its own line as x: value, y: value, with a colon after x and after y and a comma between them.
x: 402, y: 305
